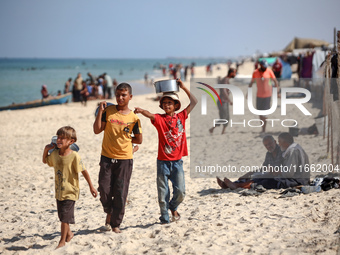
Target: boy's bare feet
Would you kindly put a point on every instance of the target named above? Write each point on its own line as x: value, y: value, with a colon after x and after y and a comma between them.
x: 116, y: 230
x: 221, y: 183
x: 107, y: 226
x: 230, y: 184
x: 243, y: 185
x: 61, y: 244
x: 69, y: 236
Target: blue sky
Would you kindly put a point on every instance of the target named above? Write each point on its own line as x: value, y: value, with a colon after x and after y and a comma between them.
x: 159, y: 29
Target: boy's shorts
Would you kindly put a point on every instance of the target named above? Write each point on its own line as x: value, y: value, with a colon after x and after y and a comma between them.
x: 66, y: 211
x: 263, y: 103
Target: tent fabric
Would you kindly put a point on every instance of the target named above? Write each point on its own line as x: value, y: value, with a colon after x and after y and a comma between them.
x: 318, y: 58
x: 307, y: 66
x: 270, y: 61
x: 304, y: 43
x: 286, y: 70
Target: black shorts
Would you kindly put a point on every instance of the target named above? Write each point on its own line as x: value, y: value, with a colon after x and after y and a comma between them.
x: 263, y: 103
x: 66, y: 211
x: 277, y: 75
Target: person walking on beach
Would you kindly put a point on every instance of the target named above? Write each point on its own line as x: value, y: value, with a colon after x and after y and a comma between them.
x: 67, y: 85
x: 84, y: 93
x: 118, y: 123
x: 67, y: 165
x: 77, y: 87
x: 224, y: 94
x: 263, y: 77
x: 172, y: 146
x: 277, y: 68
x: 44, y: 92
x: 109, y: 85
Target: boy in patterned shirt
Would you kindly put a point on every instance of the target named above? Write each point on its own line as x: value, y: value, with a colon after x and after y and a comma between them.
x: 172, y: 146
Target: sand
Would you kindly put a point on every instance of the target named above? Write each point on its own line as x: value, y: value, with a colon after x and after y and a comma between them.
x: 214, y: 221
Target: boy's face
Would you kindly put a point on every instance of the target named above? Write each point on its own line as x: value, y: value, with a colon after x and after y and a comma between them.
x: 123, y: 97
x: 63, y: 142
x: 168, y: 105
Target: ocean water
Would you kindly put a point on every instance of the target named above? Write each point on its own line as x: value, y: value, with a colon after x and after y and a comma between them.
x: 21, y: 79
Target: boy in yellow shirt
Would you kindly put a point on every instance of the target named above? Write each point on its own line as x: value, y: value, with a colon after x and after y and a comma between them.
x: 118, y: 123
x: 67, y: 164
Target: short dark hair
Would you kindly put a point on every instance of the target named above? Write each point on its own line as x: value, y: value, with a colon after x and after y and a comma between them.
x: 288, y: 138
x: 268, y: 137
x: 231, y: 70
x: 124, y: 86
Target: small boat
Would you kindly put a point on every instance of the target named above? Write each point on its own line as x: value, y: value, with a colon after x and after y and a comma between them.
x: 62, y: 99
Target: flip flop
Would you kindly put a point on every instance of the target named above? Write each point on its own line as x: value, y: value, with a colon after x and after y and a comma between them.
x: 106, y: 228
x: 175, y: 218
x: 260, y: 188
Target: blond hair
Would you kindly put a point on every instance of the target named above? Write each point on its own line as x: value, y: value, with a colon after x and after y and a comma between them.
x: 68, y: 132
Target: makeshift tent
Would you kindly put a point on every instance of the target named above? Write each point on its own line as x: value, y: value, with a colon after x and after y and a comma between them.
x: 303, y: 43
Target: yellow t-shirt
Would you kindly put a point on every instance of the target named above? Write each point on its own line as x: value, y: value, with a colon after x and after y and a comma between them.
x: 66, y: 170
x: 117, y: 134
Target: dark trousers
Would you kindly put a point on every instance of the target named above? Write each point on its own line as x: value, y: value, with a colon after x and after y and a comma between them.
x: 271, y: 183
x: 114, y: 181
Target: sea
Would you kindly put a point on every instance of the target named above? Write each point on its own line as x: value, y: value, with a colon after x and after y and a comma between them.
x: 21, y: 78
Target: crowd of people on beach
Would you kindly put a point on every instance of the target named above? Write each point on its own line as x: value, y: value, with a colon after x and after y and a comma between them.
x: 93, y: 87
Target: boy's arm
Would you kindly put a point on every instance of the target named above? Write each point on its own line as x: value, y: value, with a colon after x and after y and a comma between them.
x: 145, y: 113
x: 251, y: 83
x: 99, y: 125
x: 137, y: 139
x: 193, y: 99
x: 86, y: 175
x: 45, y: 153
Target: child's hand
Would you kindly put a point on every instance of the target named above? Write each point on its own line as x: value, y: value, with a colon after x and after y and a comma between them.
x: 138, y: 110
x: 180, y: 83
x: 102, y: 106
x: 93, y: 191
x: 50, y: 146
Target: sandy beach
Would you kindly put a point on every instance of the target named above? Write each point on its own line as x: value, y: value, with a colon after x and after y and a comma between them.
x: 213, y: 221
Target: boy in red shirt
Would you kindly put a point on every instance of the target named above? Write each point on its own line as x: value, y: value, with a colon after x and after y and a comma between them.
x: 172, y: 146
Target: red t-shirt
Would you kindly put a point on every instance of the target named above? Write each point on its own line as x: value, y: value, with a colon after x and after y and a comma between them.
x: 277, y: 67
x: 264, y: 86
x: 172, y: 141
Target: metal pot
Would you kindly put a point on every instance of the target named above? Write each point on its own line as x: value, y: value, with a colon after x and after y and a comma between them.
x: 166, y: 86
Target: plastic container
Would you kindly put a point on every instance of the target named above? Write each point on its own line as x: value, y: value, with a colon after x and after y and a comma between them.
x: 97, y: 110
x: 73, y: 146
